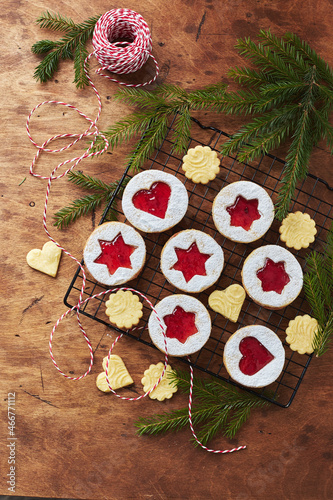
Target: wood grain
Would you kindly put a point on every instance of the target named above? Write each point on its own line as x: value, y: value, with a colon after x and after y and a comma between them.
x: 72, y: 440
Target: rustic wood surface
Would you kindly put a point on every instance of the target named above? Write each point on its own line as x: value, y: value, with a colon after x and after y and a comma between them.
x: 72, y: 440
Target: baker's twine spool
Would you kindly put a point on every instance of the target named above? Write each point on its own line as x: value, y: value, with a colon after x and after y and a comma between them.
x: 122, y: 45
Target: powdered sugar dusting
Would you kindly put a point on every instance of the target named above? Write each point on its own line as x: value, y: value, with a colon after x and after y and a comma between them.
x: 177, y: 205
x: 232, y: 356
x: 252, y: 284
x: 108, y: 231
x: 206, y: 244
x: 202, y: 321
x: 227, y: 197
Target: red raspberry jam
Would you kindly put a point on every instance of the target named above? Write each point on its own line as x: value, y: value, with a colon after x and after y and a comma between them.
x: 243, y: 212
x: 255, y: 356
x: 115, y: 254
x: 180, y: 324
x: 154, y: 200
x: 191, y: 262
x: 273, y: 276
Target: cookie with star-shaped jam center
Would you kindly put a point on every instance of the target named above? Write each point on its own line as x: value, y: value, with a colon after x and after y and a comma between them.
x: 243, y: 211
x: 114, y: 253
x: 185, y: 321
x: 272, y: 276
x: 191, y: 260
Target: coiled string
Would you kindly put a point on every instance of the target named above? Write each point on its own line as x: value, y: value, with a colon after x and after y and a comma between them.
x: 122, y: 45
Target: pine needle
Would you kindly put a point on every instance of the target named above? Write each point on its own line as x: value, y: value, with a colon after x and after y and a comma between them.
x: 71, y: 46
x: 218, y: 407
x: 318, y: 287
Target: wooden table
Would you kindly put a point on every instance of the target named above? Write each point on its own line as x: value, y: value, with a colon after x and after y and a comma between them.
x: 73, y: 441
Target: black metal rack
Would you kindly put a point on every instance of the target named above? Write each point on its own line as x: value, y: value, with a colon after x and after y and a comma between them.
x: 312, y: 196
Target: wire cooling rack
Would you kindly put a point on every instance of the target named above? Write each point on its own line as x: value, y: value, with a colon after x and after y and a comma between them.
x: 312, y: 196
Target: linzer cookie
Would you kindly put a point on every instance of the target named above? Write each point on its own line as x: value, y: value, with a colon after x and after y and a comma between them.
x: 301, y: 332
x: 272, y: 276
x: 154, y: 201
x: 243, y: 211
x: 186, y: 322
x: 254, y: 356
x: 192, y: 261
x: 201, y: 164
x: 298, y: 230
x: 114, y: 253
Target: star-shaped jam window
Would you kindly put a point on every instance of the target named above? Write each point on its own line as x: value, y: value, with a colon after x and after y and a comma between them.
x: 115, y: 253
x: 180, y: 324
x: 243, y: 212
x: 273, y: 276
x: 191, y: 262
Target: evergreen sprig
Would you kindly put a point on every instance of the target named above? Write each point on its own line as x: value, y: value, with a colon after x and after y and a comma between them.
x: 150, y: 122
x: 290, y: 95
x: 102, y: 193
x: 318, y: 287
x: 71, y: 46
x: 218, y: 407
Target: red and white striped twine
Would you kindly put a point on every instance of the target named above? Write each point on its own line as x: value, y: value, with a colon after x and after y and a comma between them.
x: 122, y: 45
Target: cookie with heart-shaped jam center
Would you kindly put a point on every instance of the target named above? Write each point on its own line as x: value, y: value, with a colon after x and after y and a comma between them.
x: 228, y: 302
x: 154, y: 201
x: 45, y: 260
x: 254, y: 356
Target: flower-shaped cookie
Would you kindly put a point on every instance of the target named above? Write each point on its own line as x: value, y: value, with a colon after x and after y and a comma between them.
x: 117, y: 374
x: 298, y: 230
x: 164, y: 390
x: 228, y: 302
x: 301, y: 332
x: 201, y: 164
x: 124, y: 309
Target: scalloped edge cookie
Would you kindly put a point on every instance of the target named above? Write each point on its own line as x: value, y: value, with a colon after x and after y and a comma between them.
x: 298, y: 230
x: 201, y: 164
x: 124, y: 309
x: 164, y: 390
x: 300, y: 333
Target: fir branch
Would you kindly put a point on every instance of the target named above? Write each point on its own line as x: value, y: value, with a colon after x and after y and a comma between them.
x: 323, y: 337
x: 76, y: 209
x: 288, y: 73
x: 55, y: 22
x: 102, y: 193
x: 318, y: 287
x: 71, y: 46
x: 218, y: 408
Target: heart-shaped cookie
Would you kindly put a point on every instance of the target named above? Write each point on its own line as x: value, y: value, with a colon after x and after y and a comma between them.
x: 228, y: 302
x: 255, y: 356
x: 117, y: 374
x: 45, y: 260
x: 154, y: 200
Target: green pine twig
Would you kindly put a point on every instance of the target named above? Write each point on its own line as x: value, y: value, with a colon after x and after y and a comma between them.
x: 218, y: 407
x: 318, y: 287
x: 71, y: 46
x: 288, y: 75
x: 102, y: 193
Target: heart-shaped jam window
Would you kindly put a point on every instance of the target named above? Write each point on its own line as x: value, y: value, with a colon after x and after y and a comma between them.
x: 255, y: 356
x: 154, y: 200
